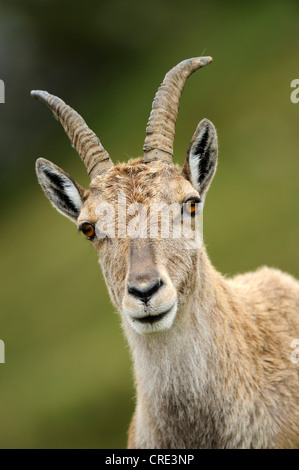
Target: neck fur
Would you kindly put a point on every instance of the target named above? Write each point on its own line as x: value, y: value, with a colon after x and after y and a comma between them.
x: 181, y: 374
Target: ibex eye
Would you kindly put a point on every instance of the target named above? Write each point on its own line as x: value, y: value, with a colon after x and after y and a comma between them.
x: 191, y: 206
x: 88, y: 230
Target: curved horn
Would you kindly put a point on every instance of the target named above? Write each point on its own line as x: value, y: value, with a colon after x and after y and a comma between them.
x: 158, y: 144
x: 92, y: 153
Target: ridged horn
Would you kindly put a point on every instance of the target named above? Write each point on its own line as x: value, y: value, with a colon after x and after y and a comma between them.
x: 160, y: 131
x: 92, y: 153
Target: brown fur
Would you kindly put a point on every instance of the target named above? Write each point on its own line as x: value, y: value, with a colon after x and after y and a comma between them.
x: 214, y: 371
x: 212, y: 356
x: 221, y: 376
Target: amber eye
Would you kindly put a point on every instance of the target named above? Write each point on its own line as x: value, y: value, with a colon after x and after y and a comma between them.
x: 191, y: 207
x: 88, y: 230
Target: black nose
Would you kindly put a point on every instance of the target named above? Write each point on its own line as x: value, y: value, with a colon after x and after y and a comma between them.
x: 145, y: 293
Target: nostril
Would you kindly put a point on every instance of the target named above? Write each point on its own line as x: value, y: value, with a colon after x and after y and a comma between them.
x: 145, y: 293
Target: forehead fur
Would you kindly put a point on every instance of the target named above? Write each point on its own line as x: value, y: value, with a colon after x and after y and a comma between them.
x: 138, y: 181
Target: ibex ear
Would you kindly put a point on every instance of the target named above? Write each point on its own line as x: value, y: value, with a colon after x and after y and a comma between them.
x: 201, y: 160
x: 64, y: 193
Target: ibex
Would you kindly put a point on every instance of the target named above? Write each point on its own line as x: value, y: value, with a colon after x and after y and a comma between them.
x: 211, y: 354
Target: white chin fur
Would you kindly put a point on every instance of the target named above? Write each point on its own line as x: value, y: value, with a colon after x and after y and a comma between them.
x: 156, y: 327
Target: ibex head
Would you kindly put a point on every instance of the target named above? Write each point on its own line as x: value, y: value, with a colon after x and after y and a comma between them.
x: 149, y: 277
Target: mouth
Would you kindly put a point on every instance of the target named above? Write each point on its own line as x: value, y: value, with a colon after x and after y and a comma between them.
x: 151, y: 318
x: 154, y: 323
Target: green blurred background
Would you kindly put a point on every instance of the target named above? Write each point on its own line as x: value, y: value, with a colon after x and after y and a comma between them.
x: 67, y: 381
